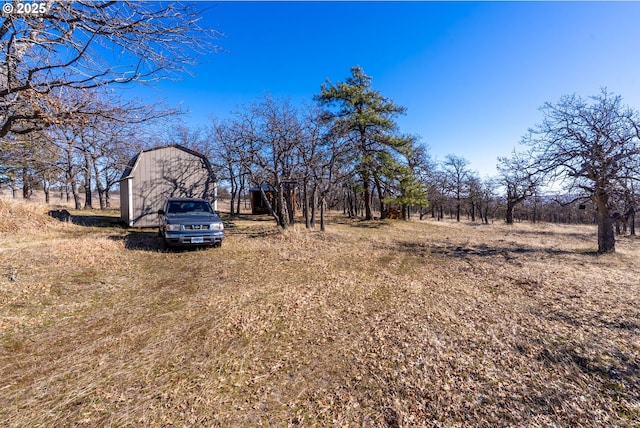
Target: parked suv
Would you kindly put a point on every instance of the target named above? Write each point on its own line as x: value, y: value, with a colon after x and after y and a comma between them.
x: 190, y: 221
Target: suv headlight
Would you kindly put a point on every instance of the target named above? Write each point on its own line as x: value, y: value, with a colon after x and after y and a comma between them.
x: 216, y: 226
x: 174, y: 227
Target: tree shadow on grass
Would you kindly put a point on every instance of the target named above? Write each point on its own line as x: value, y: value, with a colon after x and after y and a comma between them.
x: 361, y: 223
x: 617, y: 374
x: 150, y: 240
x: 573, y: 235
x: 96, y: 221
x: 482, y: 250
x: 256, y: 231
x: 141, y: 241
x: 248, y: 217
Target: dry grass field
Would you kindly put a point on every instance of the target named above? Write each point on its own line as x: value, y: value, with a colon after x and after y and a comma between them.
x: 372, y: 324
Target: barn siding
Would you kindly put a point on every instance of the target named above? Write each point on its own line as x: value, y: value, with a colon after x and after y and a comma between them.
x: 159, y: 174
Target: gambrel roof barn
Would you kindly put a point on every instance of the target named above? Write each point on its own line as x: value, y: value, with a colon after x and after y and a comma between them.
x: 155, y: 175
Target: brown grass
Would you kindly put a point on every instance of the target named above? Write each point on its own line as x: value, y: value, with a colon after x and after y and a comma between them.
x: 381, y: 323
x: 24, y: 218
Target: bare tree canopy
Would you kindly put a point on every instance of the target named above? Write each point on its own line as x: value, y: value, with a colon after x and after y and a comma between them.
x: 457, y: 174
x: 520, y: 179
x: 589, y: 144
x: 85, y: 45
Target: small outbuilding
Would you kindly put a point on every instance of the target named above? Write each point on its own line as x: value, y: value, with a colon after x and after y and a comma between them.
x: 258, y: 204
x: 155, y: 175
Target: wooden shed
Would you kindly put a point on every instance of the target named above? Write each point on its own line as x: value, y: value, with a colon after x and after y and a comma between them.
x: 259, y: 206
x: 155, y: 175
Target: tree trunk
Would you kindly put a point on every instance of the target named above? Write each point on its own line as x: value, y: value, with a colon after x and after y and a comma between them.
x: 47, y: 191
x: 322, y: 208
x: 234, y: 194
x: 26, y: 184
x: 88, y: 203
x: 46, y: 185
x: 314, y: 205
x: 76, y: 194
x: 367, y: 200
x: 99, y: 187
x: 12, y: 184
x: 383, y: 210
x: 606, y: 237
x: 234, y: 190
x: 289, y: 204
x: 351, y: 197
x: 281, y: 205
x: 232, y: 202
x: 510, y: 207
x: 108, y: 183
x: 241, y: 186
x: 345, y: 203
x: 307, y: 205
x: 265, y: 199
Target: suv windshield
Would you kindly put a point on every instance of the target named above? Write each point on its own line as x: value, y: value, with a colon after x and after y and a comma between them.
x: 190, y: 207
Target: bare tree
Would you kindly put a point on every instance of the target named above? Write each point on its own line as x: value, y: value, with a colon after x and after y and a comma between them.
x: 519, y: 178
x: 96, y: 142
x: 18, y: 161
x: 488, y: 199
x: 66, y: 138
x: 313, y: 157
x: 437, y: 191
x: 474, y: 188
x: 268, y: 135
x: 457, y: 175
x: 64, y: 47
x: 324, y: 156
x: 587, y: 144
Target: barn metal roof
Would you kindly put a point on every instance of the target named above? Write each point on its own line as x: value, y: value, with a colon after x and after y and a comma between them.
x: 128, y: 171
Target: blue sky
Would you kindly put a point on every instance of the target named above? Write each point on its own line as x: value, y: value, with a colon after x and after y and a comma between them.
x: 472, y: 75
